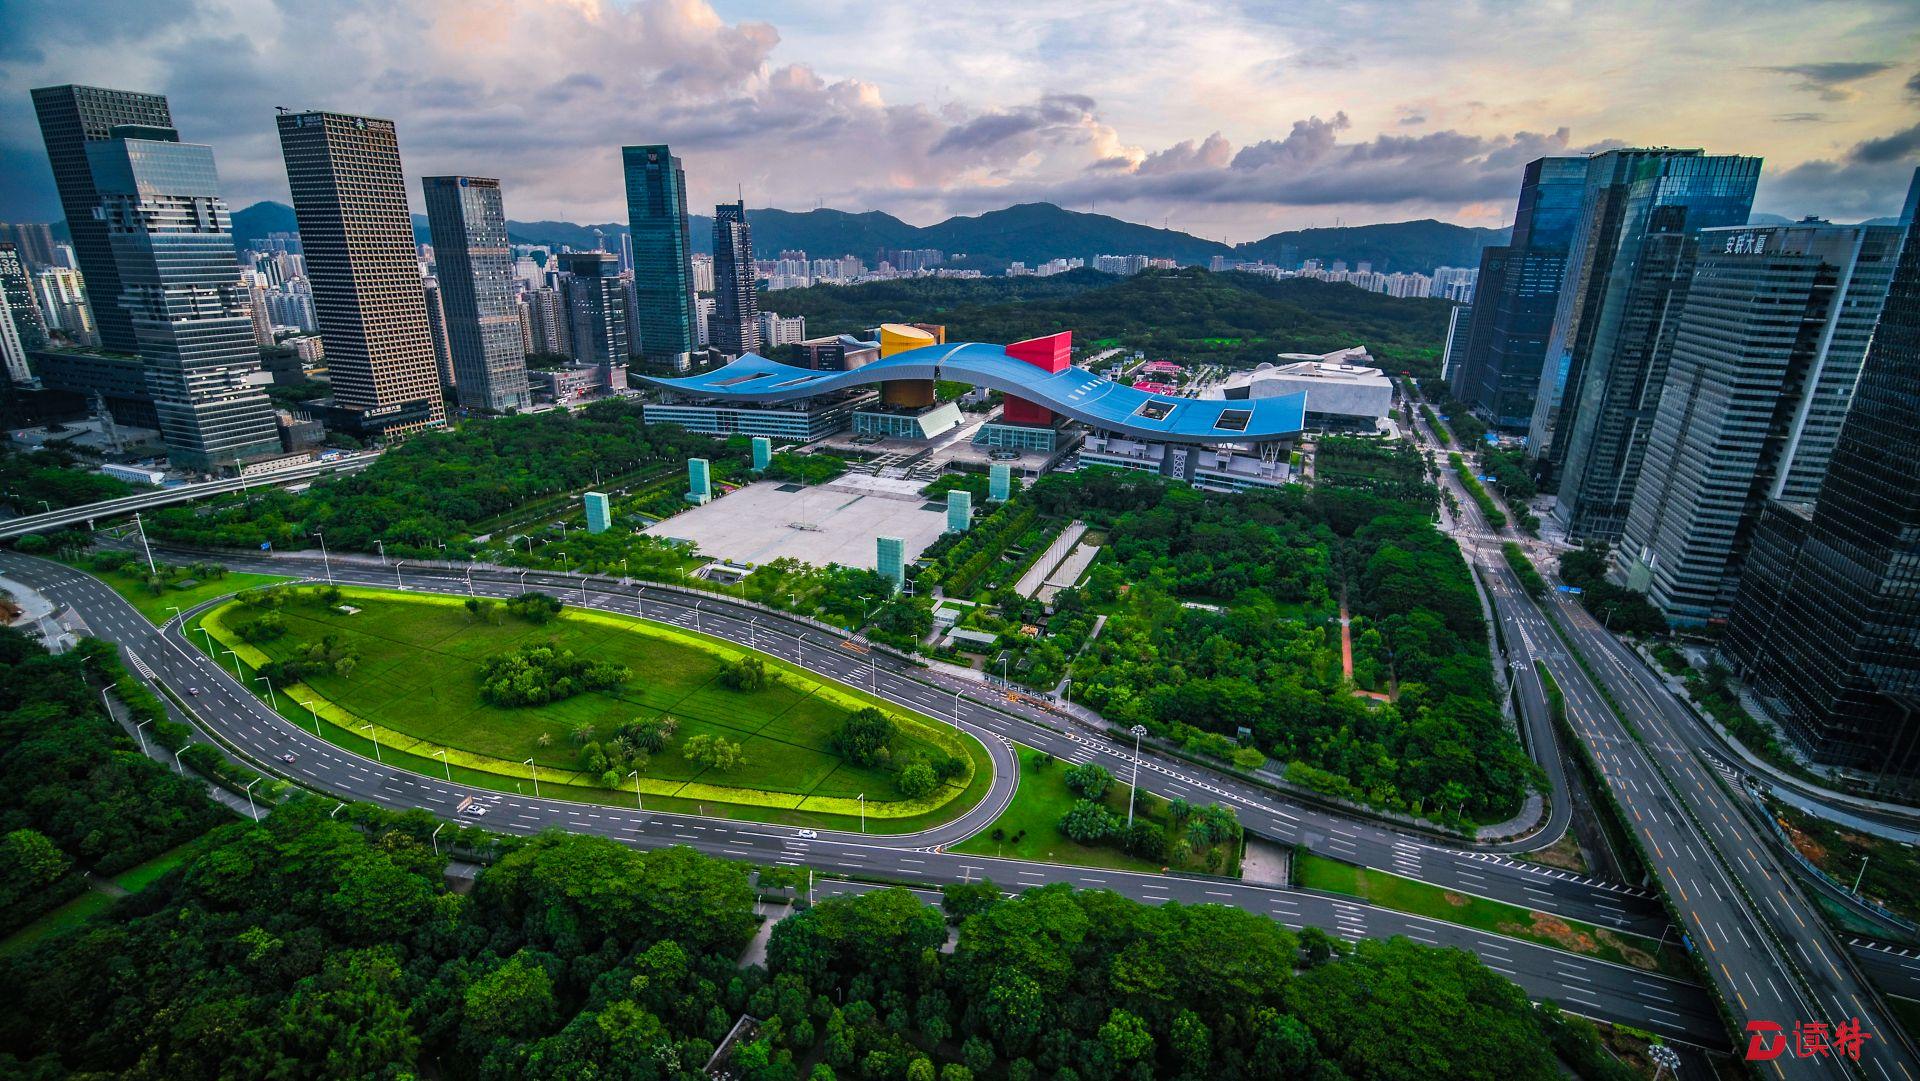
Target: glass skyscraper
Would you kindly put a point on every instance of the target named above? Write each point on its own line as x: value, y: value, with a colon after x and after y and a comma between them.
x: 596, y: 309
x: 662, y: 255
x: 474, y: 265
x: 1764, y: 362
x: 356, y: 236
x: 1620, y: 344
x: 1826, y: 626
x: 735, y: 324
x: 172, y: 246
x: 70, y: 118
x: 1518, y: 293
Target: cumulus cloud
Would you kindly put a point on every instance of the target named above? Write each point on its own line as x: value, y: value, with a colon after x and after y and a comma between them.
x: 1869, y: 180
x: 1830, y: 79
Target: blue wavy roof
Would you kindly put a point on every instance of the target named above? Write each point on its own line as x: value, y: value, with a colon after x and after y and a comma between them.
x: 1091, y: 399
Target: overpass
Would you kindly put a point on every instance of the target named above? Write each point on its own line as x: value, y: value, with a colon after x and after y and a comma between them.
x: 89, y: 513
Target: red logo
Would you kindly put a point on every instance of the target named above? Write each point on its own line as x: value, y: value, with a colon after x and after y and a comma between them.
x: 1767, y: 1041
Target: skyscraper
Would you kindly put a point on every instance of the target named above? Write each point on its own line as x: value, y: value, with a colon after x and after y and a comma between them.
x: 16, y: 288
x: 735, y: 325
x: 1623, y: 337
x: 1517, y: 293
x: 437, y: 331
x: 70, y: 118
x: 357, y: 238
x: 662, y: 254
x: 1765, y: 357
x: 474, y: 264
x: 172, y: 245
x: 596, y: 309
x: 1826, y: 626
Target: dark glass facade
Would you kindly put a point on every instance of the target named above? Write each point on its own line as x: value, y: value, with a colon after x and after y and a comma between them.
x: 172, y: 244
x: 1610, y: 397
x: 734, y: 326
x: 596, y: 309
x: 474, y: 265
x: 1517, y: 294
x: 1826, y: 626
x: 70, y: 118
x: 662, y: 255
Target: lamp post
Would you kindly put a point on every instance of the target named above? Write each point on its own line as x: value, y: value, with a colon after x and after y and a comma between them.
x: 143, y: 738
x: 536, y: 777
x: 177, y: 767
x: 271, y: 700
x: 251, y: 809
x: 236, y: 664
x: 436, y: 837
x: 696, y: 615
x: 208, y: 635
x: 367, y: 728
x: 104, y: 704
x: 863, y: 812
x: 636, y: 790
x: 1861, y: 875
x: 316, y: 719
x: 523, y: 581
x: 397, y: 583
x: 1138, y: 731
x: 382, y: 545
x: 142, y: 527
x: 442, y: 756
x: 175, y: 609
x: 325, y: 560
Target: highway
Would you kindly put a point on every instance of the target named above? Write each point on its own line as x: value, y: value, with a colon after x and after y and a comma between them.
x: 89, y: 513
x: 1596, y: 988
x: 1769, y: 955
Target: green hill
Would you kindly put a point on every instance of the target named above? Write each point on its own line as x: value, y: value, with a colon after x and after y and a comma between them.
x: 1188, y: 314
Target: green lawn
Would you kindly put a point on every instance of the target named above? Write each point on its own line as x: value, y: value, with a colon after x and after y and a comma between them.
x: 88, y: 904
x: 418, y: 676
x: 1421, y: 899
x: 157, y: 607
x: 1038, y: 805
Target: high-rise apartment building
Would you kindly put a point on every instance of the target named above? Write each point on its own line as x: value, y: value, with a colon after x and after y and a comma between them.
x: 1626, y: 326
x: 474, y: 264
x: 547, y: 323
x: 172, y: 246
x: 1517, y: 294
x: 34, y: 239
x: 356, y: 236
x: 735, y: 326
x: 662, y: 254
x: 62, y: 295
x: 70, y: 118
x: 1768, y: 349
x: 703, y: 273
x: 1826, y: 627
x: 596, y: 309
x: 16, y: 288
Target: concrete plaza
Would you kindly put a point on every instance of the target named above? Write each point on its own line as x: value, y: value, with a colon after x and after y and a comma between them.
x: 817, y: 525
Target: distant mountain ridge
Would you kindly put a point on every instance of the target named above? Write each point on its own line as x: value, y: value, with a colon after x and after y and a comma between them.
x: 1029, y: 232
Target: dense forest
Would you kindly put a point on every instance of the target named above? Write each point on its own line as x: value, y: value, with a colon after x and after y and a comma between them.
x: 442, y: 487
x: 54, y: 474
x: 1189, y: 314
x: 1223, y: 617
x: 324, y: 942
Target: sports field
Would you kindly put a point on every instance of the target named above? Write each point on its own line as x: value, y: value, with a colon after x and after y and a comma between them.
x: 418, y: 679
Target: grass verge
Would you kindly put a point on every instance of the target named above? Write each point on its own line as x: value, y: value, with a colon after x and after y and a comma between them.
x: 1029, y: 829
x: 1421, y: 899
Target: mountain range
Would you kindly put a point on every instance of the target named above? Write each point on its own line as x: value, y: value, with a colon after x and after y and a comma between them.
x: 1030, y: 232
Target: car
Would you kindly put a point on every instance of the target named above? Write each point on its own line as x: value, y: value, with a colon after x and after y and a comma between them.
x: 287, y: 758
x: 809, y: 833
x: 476, y: 810
x: 194, y: 691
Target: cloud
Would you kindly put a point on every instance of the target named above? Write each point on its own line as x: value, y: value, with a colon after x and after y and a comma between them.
x: 1868, y: 180
x: 1800, y: 118
x: 1913, y: 85
x: 1830, y: 79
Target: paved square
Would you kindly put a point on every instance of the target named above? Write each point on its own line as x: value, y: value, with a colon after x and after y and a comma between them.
x: 819, y: 525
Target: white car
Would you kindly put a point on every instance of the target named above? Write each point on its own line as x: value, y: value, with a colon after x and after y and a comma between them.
x: 809, y: 834
x: 287, y: 758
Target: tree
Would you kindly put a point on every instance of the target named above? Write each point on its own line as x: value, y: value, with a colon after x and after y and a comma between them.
x: 1089, y: 823
x: 963, y: 899
x: 650, y: 734
x: 747, y: 673
x: 1091, y: 781
x: 865, y: 737
x: 1125, y: 1037
x: 916, y: 780
x: 714, y: 751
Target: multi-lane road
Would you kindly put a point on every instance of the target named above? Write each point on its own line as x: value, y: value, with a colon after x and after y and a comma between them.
x: 1673, y: 1008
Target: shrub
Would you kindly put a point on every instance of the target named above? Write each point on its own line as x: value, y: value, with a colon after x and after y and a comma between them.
x: 1089, y: 823
x: 1090, y: 781
x: 865, y: 737
x: 536, y: 675
x: 916, y: 780
x: 749, y: 673
x: 535, y: 607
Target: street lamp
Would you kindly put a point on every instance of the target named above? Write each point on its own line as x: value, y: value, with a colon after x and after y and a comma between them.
x: 142, y: 527
x: 636, y: 789
x: 143, y: 738
x: 397, y: 583
x: 251, y: 809
x: 1138, y: 730
x: 375, y: 740
x: 442, y: 756
x: 316, y: 719
x: 436, y: 837
x: 271, y: 700
x: 325, y: 560
x: 536, y: 776
x: 177, y: 767
x: 236, y: 663
x: 863, y: 812
x: 382, y: 545
x: 175, y: 609
x: 208, y: 635
x: 104, y: 704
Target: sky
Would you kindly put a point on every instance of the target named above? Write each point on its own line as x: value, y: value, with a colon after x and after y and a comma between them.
x: 1226, y: 119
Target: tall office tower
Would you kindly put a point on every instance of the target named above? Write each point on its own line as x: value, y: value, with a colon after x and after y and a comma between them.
x: 474, y: 263
x: 1768, y: 349
x: 1517, y: 293
x: 437, y: 330
x: 1627, y: 325
x: 70, y: 118
x: 17, y: 290
x: 735, y: 326
x: 172, y: 245
x: 626, y: 253
x: 1826, y: 626
x: 596, y: 309
x: 262, y: 318
x: 357, y: 238
x: 662, y: 254
x: 1583, y: 287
